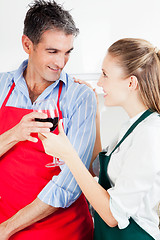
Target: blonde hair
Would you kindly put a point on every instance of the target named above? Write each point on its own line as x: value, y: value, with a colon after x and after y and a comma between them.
x: 140, y: 58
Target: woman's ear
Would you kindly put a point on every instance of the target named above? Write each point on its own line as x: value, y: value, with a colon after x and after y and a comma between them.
x: 133, y: 83
x: 27, y: 44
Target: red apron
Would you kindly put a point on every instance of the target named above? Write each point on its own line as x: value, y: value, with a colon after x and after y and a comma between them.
x: 23, y: 176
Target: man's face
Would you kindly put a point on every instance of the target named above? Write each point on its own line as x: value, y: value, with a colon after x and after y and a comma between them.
x: 50, y: 55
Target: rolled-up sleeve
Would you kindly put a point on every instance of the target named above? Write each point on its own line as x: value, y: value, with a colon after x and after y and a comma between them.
x: 63, y: 189
x: 138, y: 173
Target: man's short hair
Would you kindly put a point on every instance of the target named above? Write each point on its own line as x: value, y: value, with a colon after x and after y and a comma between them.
x: 45, y: 15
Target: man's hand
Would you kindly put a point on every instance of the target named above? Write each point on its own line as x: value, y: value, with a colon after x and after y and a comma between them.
x: 3, y: 232
x: 28, y: 125
x: 22, y: 131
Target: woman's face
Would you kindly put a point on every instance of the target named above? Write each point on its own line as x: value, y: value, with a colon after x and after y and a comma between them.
x: 115, y: 86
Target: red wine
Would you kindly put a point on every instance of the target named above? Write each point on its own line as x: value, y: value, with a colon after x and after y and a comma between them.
x: 52, y: 120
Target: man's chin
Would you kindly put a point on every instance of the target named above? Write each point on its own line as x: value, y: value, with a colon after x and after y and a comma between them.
x: 53, y: 78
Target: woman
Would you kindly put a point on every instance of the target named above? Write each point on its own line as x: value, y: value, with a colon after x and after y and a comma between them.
x: 128, y: 193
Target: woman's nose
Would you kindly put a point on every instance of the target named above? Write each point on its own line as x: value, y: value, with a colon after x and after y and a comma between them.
x: 99, y: 83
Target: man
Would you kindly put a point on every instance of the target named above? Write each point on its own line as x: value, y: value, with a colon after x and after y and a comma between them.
x: 38, y: 202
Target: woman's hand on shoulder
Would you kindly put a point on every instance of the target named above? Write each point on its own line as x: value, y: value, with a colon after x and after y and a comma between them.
x: 89, y: 85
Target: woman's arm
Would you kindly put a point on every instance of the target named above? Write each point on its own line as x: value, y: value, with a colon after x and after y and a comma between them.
x: 95, y: 194
x: 59, y: 146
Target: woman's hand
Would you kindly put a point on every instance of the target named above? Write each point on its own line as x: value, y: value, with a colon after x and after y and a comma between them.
x: 57, y: 145
x: 89, y: 85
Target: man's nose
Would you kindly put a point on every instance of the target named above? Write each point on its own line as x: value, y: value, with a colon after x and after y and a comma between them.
x: 60, y: 61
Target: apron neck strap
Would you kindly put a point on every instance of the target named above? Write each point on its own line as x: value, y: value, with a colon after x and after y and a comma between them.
x: 13, y: 85
x: 8, y: 95
x: 140, y: 119
x: 59, y: 94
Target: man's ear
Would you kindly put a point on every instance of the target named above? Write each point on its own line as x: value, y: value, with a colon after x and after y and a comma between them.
x: 27, y: 44
x: 133, y: 83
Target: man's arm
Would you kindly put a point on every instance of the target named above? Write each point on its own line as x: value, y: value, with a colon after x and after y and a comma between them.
x: 28, y: 215
x: 7, y: 141
x: 97, y: 146
x: 81, y: 131
x: 22, y: 131
x: 37, y: 209
x: 83, y: 138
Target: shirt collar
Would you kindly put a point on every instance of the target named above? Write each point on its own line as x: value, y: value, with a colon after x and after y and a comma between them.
x: 133, y: 119
x: 63, y: 77
x: 18, y: 74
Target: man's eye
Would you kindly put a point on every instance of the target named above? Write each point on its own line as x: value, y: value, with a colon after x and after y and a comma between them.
x: 51, y: 52
x: 68, y: 53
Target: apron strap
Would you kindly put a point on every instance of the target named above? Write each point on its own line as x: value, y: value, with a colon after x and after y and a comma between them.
x: 140, y: 119
x: 59, y: 94
x: 8, y: 95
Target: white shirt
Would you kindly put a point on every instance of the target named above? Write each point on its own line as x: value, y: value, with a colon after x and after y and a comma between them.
x: 134, y: 169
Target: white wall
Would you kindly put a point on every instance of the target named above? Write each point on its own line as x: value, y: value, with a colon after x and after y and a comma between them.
x: 101, y: 23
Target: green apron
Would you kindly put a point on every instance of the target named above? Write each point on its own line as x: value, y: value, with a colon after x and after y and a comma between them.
x: 102, y: 231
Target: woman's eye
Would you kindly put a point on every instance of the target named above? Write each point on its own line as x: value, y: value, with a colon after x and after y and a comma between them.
x: 104, y: 74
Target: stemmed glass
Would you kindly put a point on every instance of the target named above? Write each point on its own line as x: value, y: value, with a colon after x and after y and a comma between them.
x: 48, y: 107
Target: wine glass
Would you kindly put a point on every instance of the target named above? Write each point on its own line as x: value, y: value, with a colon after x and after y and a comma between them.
x: 49, y: 107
